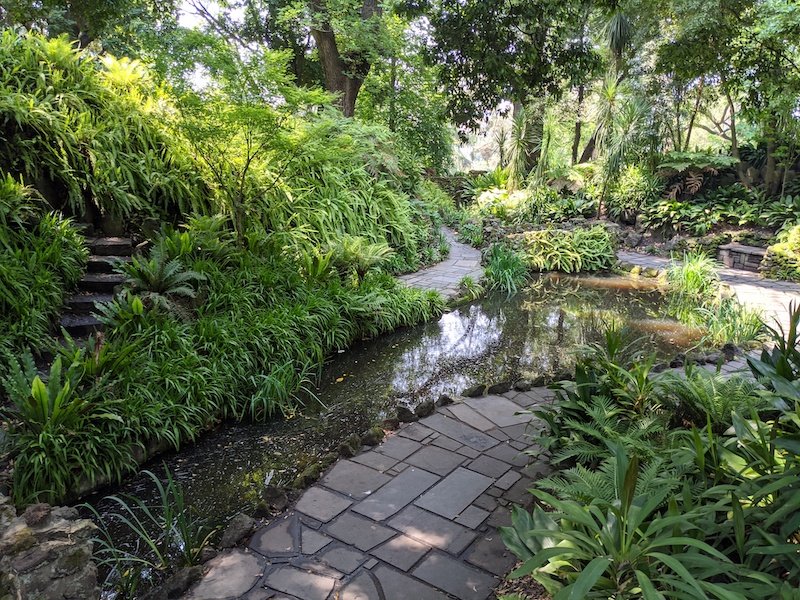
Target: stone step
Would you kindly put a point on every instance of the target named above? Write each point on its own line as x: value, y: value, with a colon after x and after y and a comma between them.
x: 110, y: 246
x: 105, y: 264
x: 85, y: 303
x: 100, y: 282
x: 79, y: 326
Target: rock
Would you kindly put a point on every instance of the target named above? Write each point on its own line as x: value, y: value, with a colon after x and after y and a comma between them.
x: 729, y: 351
x: 445, y: 400
x: 238, y: 528
x: 275, y: 497
x: 523, y: 385
x: 676, y: 243
x: 177, y: 584
x: 474, y: 391
x: 714, y: 358
x: 307, y: 476
x: 36, y: 514
x: 678, y: 361
x: 499, y: 388
x: 405, y: 415
x: 372, y: 436
x: 206, y: 554
x: 633, y: 239
x: 659, y: 368
x: 424, y: 409
x: 390, y: 424
x: 350, y: 446
x: 651, y: 272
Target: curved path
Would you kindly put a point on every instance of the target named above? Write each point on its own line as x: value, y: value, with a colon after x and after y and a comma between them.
x: 445, y: 276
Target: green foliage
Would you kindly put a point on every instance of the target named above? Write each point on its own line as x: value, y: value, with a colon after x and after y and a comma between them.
x: 634, y: 189
x: 782, y: 260
x: 571, y: 251
x: 695, y: 277
x: 533, y: 206
x: 469, y: 289
x: 505, y: 269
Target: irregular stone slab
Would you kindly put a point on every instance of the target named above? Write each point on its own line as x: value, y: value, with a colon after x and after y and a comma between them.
x: 277, y: 539
x: 509, y: 454
x: 401, y: 552
x: 397, y: 586
x: 398, y: 447
x: 490, y: 554
x: 500, y: 411
x: 396, y: 494
x: 507, y: 480
x: 359, y: 532
x: 322, y: 505
x: 415, y: 431
x: 375, y: 460
x: 231, y: 575
x: 436, y: 460
x: 432, y: 530
x: 297, y: 582
x: 445, y: 442
x: 342, y: 558
x: 464, y: 413
x: 354, y: 480
x: 460, y: 432
x: 313, y: 541
x: 362, y: 587
x: 454, y: 577
x: 472, y: 517
x: 454, y: 493
x: 491, y: 467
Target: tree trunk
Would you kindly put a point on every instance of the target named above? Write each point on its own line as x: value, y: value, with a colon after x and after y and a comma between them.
x: 694, y: 114
x: 588, y: 151
x: 576, y: 139
x: 393, y: 94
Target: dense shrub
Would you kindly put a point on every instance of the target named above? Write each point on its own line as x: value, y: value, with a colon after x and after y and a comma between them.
x: 538, y: 205
x: 633, y: 190
x: 782, y: 260
x: 506, y: 269
x: 572, y: 250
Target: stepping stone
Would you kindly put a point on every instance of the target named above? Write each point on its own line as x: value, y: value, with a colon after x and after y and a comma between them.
x: 342, y: 558
x: 354, y: 480
x: 362, y: 587
x: 490, y: 554
x: 296, y: 582
x: 454, y: 577
x: 472, y: 517
x: 358, y: 531
x: 313, y: 541
x: 398, y: 447
x: 111, y: 246
x: 432, y: 530
x: 396, y: 494
x: 230, y: 575
x: 509, y: 454
x: 507, y: 480
x: 436, y: 460
x: 454, y: 493
x: 460, y: 432
x: 322, y: 505
x: 276, y: 540
x: 81, y: 325
x: 85, y: 303
x: 499, y: 410
x: 100, y: 282
x: 402, y: 552
x: 397, y: 586
x: 105, y: 264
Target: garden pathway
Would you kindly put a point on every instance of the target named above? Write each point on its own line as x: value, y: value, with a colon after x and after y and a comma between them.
x: 445, y: 276
x: 771, y: 297
x: 415, y: 517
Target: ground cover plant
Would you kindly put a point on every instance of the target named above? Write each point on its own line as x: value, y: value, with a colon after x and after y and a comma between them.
x: 695, y: 505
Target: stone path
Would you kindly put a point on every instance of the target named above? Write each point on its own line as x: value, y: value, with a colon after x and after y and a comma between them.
x: 771, y: 297
x: 415, y: 517
x: 445, y: 276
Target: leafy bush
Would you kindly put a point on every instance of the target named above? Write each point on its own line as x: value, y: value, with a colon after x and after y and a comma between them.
x: 695, y: 277
x: 782, y: 260
x: 633, y: 189
x: 570, y: 251
x: 505, y: 269
x: 536, y: 205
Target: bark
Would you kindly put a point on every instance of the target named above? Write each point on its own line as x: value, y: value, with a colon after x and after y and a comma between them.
x: 588, y: 151
x: 694, y: 114
x: 393, y: 95
x: 576, y: 139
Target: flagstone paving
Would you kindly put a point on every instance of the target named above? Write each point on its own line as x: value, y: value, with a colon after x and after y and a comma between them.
x: 415, y: 517
x: 445, y: 276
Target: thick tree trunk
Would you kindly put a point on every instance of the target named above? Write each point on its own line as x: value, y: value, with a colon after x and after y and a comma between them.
x: 588, y: 151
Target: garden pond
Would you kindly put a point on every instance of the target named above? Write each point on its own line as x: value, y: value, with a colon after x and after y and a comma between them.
x: 536, y: 332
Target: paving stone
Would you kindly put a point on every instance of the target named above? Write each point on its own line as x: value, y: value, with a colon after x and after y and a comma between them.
x: 432, y: 529
x: 320, y: 504
x: 375, y: 460
x: 401, y: 552
x: 464, y: 413
x: 507, y: 453
x: 436, y: 460
x: 358, y: 531
x: 354, y: 480
x: 300, y: 583
x: 460, y: 432
x: 526, y: 400
x: 445, y: 442
x: 468, y: 452
x: 494, y: 491
x: 472, y: 517
x: 396, y: 494
x: 491, y: 467
x: 519, y: 494
x: 454, y: 493
x: 231, y: 574
x: 500, y: 411
x: 520, y: 446
x: 362, y: 587
x: 398, y: 586
x: 490, y: 554
x: 454, y: 577
x: 498, y: 434
x: 342, y: 558
x: 501, y: 517
x: 313, y: 541
x: 415, y: 431
x: 398, y: 447
x: 507, y: 480
x: 518, y: 432
x: 277, y: 539
x: 486, y: 502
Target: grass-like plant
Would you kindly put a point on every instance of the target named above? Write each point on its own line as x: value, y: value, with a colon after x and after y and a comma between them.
x: 505, y: 269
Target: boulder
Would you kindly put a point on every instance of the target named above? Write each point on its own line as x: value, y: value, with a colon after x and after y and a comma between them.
x: 406, y: 415
x: 499, y: 388
x: 424, y: 409
x: 239, y: 527
x: 445, y: 400
x: 350, y: 446
x: 372, y: 436
x: 475, y: 391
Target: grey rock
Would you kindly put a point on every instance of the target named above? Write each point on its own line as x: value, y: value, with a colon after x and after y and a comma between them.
x: 207, y: 553
x: 444, y: 400
x: 424, y: 409
x: 176, y: 585
x: 406, y: 415
x: 499, y: 388
x: 372, y: 436
x: 474, y: 391
x: 237, y: 529
x: 350, y: 446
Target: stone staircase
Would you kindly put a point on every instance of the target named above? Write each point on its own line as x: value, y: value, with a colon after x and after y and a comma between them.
x: 97, y: 285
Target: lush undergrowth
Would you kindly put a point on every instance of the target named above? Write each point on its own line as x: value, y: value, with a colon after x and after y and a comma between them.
x: 204, y: 331
x: 782, y: 260
x: 670, y: 486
